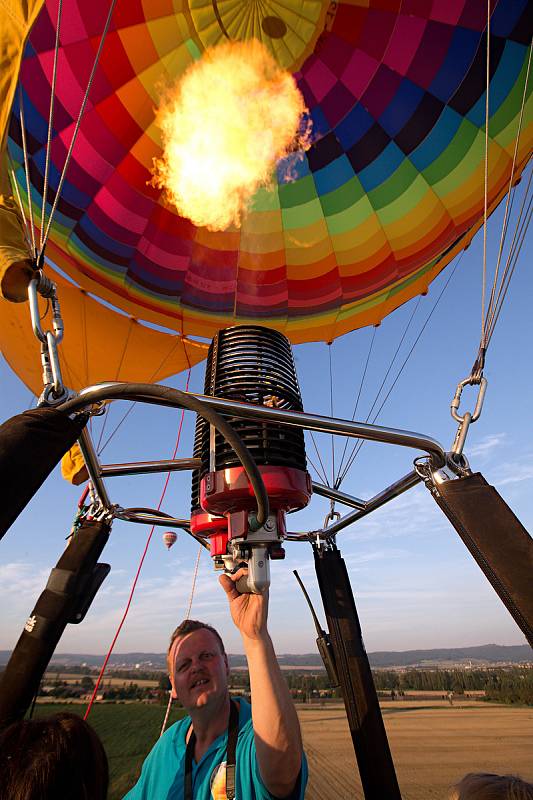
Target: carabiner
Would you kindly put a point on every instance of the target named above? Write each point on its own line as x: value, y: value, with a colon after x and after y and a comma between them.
x: 456, y: 402
x: 331, y: 515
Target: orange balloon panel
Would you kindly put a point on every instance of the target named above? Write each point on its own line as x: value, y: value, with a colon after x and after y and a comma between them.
x: 100, y: 344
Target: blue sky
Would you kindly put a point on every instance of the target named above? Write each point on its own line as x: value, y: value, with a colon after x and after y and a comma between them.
x: 414, y: 582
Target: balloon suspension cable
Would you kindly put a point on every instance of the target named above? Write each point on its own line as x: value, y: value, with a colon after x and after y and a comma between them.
x: 500, y: 284
x: 108, y: 407
x: 139, y: 568
x: 356, y: 405
x: 359, y: 445
x: 486, y: 178
x: 50, y: 125
x: 15, y: 185
x: 78, y: 121
x: 330, y: 345
x: 322, y: 473
x: 27, y: 173
x: 493, y: 302
x: 523, y: 222
x: 187, y: 616
x: 521, y: 227
x: 177, y: 340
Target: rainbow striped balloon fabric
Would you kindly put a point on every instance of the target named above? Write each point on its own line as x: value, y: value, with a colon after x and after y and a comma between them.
x: 389, y: 192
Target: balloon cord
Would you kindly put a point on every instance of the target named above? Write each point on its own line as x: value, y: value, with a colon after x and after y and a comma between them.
x: 141, y: 562
x: 486, y: 181
x: 187, y: 615
x: 50, y: 124
x: 494, y: 303
x: 78, y: 121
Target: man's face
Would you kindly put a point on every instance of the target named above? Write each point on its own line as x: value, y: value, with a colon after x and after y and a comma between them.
x: 198, y: 669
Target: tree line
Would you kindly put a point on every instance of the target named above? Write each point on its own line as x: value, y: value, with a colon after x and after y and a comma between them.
x: 510, y: 685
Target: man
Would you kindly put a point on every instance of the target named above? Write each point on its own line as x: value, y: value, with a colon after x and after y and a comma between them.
x: 194, y: 759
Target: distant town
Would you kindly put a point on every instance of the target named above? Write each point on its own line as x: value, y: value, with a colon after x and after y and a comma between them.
x: 457, y: 657
x: 486, y: 673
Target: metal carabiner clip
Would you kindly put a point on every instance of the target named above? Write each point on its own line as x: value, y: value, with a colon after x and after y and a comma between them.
x: 456, y: 402
x: 466, y: 419
x: 331, y: 515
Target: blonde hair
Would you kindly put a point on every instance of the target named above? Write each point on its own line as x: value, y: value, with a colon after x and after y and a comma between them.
x: 486, y: 786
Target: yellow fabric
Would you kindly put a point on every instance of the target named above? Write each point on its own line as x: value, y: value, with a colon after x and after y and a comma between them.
x: 73, y: 467
x: 100, y: 344
x: 16, y: 19
x: 15, y: 265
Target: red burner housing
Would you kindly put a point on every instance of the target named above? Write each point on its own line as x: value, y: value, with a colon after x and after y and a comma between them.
x: 227, y: 491
x: 216, y: 528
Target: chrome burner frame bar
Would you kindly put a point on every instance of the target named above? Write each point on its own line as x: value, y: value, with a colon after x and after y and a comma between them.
x: 92, y: 395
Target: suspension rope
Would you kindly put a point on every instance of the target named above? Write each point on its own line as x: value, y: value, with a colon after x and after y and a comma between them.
x: 50, y: 124
x: 374, y: 330
x: 499, y: 293
x: 387, y: 373
x: 187, y: 615
x: 331, y: 413
x: 408, y: 356
x: 27, y: 173
x: 194, y: 577
x: 321, y: 473
x: 486, y: 180
x: 131, y: 406
x: 167, y: 714
x: 141, y: 562
x: 508, y: 206
x: 511, y: 264
x: 16, y: 189
x: 78, y: 121
x: 117, y: 373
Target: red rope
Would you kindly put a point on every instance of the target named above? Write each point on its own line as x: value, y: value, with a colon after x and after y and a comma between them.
x: 141, y: 562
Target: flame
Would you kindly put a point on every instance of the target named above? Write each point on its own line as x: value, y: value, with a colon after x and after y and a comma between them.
x: 232, y: 116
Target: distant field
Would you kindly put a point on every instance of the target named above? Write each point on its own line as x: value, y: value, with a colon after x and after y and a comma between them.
x: 73, y: 677
x: 433, y: 743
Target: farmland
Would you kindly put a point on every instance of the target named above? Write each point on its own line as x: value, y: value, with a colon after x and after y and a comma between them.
x: 433, y: 743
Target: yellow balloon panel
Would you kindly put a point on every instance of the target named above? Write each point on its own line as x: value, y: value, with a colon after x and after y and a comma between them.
x: 289, y: 28
x: 100, y: 344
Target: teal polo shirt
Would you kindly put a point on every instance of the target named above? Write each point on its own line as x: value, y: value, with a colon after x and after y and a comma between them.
x: 162, y: 775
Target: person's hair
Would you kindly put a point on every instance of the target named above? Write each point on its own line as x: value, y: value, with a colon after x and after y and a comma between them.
x: 56, y: 758
x: 486, y: 786
x: 189, y: 626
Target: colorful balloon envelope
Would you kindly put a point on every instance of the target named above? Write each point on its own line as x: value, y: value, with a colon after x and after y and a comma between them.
x: 390, y: 190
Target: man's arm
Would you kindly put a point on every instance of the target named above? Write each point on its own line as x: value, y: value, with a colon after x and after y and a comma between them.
x: 276, y: 728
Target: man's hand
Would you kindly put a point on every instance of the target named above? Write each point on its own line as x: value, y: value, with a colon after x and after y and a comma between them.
x: 248, y: 611
x: 277, y: 735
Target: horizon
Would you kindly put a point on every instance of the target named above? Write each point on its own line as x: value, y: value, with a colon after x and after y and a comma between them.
x: 310, y: 653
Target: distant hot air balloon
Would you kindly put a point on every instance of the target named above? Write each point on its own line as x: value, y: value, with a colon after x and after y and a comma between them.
x: 169, y: 538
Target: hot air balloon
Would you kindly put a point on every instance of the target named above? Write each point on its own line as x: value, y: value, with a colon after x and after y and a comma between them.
x: 390, y: 190
x: 405, y: 161
x: 169, y: 538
